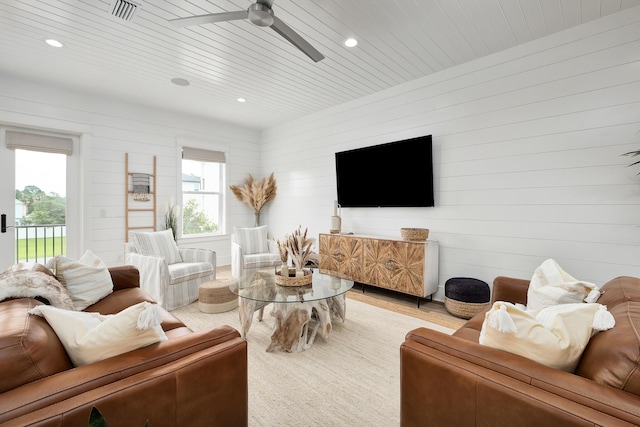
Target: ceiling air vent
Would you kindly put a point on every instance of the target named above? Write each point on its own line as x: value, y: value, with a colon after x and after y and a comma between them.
x: 124, y: 9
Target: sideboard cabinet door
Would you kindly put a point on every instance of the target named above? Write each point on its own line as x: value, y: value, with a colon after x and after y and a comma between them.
x: 376, y: 268
x: 341, y: 255
x: 407, y: 260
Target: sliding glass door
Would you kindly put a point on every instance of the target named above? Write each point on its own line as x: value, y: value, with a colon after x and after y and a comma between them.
x: 33, y: 189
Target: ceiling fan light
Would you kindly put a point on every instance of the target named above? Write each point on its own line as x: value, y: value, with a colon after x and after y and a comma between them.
x: 350, y: 42
x: 54, y: 43
x: 260, y: 15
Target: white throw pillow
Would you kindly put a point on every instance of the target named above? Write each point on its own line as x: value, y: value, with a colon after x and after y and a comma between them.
x: 90, y: 337
x: 253, y: 240
x: 157, y: 243
x: 551, y: 285
x: 88, y: 279
x: 555, y: 337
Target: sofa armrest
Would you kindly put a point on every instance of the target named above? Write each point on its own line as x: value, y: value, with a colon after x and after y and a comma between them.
x: 222, y: 345
x: 510, y: 289
x: 123, y: 277
x: 198, y: 255
x: 487, y: 386
x: 236, y: 259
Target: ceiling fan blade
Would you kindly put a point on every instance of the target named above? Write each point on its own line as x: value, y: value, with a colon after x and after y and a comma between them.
x: 209, y: 18
x: 268, y: 3
x: 287, y: 32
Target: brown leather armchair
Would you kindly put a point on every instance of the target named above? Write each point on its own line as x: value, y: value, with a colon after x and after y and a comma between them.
x: 192, y: 378
x: 454, y: 381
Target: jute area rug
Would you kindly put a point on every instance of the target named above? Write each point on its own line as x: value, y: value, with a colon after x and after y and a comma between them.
x: 352, y: 379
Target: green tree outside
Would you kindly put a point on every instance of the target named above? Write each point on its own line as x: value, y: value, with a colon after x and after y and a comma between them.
x: 195, y: 221
x: 29, y: 196
x: 50, y: 210
x: 42, y: 209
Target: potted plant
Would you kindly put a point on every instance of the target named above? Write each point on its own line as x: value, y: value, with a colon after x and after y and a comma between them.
x: 171, y: 213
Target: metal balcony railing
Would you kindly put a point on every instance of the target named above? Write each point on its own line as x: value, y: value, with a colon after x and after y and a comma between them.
x: 40, y: 243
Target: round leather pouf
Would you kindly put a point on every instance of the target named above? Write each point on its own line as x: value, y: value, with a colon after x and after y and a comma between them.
x: 465, y: 297
x: 216, y: 297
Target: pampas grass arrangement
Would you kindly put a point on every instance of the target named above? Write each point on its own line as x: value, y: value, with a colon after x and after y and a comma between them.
x: 256, y: 193
x: 633, y: 154
x: 299, y: 248
x: 282, y: 249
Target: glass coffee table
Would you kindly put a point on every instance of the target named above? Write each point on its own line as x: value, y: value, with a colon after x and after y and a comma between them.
x: 300, y: 312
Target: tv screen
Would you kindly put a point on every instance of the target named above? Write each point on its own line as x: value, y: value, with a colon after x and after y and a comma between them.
x: 396, y: 174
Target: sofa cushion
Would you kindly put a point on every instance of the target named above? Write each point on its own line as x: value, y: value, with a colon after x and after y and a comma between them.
x: 90, y: 337
x: 29, y: 346
x: 157, y: 243
x: 551, y: 285
x: 252, y: 240
x: 613, y: 357
x: 119, y: 300
x: 183, y: 271
x: 556, y: 336
x: 88, y: 279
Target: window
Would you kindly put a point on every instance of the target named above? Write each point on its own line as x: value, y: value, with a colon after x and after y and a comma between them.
x: 40, y: 164
x: 203, y: 183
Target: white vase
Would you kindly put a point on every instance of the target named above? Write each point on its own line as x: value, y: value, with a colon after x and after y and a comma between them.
x: 336, y: 223
x: 299, y: 272
x: 284, y: 270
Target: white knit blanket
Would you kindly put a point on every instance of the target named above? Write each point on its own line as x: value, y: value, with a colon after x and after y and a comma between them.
x: 551, y: 285
x: 32, y: 284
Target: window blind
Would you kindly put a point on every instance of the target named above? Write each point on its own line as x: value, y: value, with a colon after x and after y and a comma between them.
x: 189, y: 153
x: 39, y: 142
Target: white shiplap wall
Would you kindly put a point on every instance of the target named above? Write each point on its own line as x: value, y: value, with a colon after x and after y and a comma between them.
x: 112, y: 129
x: 527, y: 157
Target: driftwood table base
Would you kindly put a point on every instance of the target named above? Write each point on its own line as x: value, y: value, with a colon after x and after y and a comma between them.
x: 296, y: 323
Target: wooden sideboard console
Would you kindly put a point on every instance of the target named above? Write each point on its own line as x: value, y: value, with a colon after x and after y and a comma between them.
x: 401, y: 265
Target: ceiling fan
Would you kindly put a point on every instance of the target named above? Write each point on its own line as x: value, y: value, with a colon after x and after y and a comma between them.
x: 261, y: 14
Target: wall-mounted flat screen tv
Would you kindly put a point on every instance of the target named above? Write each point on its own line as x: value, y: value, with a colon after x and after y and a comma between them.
x: 396, y: 174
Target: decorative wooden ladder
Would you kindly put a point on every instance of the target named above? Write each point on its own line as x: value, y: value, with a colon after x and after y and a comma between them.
x: 129, y: 198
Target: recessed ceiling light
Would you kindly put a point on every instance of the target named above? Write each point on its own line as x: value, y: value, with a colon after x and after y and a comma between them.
x: 54, y: 43
x: 180, y: 82
x: 350, y: 42
x: 241, y: 100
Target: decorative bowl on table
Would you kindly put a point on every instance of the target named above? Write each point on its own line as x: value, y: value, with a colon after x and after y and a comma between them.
x: 414, y: 234
x: 294, y: 280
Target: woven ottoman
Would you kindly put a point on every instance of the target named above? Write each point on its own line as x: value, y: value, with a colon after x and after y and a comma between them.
x: 465, y: 297
x: 215, y: 297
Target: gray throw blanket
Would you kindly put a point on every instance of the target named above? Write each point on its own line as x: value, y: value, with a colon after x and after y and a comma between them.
x: 32, y: 284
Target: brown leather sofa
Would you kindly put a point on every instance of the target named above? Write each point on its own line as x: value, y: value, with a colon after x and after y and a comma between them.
x: 191, y: 379
x: 454, y: 381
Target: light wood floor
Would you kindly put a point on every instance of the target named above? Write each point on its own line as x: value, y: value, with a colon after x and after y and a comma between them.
x: 396, y: 298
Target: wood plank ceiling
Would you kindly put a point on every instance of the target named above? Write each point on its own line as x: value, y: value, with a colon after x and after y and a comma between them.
x: 399, y: 41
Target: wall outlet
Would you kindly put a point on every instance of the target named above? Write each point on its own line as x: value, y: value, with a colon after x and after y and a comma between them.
x: 103, y: 213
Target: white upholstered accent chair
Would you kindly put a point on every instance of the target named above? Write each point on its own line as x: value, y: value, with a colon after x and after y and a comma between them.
x: 252, y: 250
x: 169, y: 274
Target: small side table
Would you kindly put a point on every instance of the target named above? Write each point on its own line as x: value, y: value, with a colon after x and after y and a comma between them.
x: 215, y: 296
